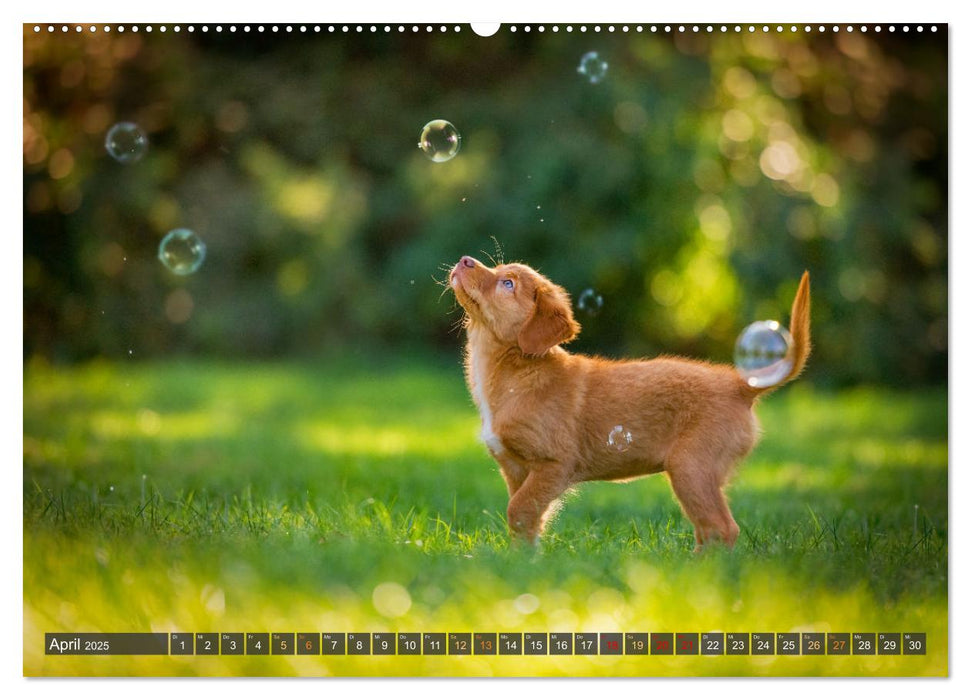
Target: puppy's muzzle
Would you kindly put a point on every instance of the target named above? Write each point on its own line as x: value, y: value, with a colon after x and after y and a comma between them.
x: 461, y: 268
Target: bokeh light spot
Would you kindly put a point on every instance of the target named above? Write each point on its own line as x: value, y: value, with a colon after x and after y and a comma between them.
x: 737, y: 125
x: 60, y: 164
x: 826, y: 192
x: 391, y: 599
x: 179, y: 306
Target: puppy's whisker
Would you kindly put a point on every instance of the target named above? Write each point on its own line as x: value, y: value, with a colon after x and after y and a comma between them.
x: 489, y: 255
x: 498, y: 249
x: 446, y: 287
x: 445, y: 268
x: 458, y: 325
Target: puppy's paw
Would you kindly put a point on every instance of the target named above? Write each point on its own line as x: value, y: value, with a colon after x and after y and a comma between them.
x: 714, y: 544
x: 523, y: 541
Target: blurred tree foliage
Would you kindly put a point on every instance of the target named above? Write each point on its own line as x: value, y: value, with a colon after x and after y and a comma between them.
x: 690, y: 188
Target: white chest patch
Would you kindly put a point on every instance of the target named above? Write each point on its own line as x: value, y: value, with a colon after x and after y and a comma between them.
x: 491, y: 440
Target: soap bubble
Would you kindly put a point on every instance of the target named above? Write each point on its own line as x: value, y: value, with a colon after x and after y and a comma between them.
x: 592, y: 66
x: 126, y: 142
x: 763, y: 354
x: 590, y: 302
x: 439, y: 140
x: 182, y: 251
x: 619, y: 439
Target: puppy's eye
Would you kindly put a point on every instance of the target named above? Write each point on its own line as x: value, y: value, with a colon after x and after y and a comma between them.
x: 508, y: 284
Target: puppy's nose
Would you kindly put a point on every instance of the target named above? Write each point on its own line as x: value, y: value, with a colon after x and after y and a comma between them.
x: 467, y: 261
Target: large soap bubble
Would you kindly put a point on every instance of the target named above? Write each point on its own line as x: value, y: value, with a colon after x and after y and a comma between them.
x: 764, y: 354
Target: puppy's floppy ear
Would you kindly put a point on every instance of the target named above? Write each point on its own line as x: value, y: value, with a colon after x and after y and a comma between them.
x: 552, y: 322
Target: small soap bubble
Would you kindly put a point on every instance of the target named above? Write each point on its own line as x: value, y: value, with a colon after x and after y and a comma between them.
x: 590, y: 302
x: 764, y: 354
x: 592, y: 66
x: 619, y: 439
x: 126, y: 142
x: 182, y: 251
x: 439, y: 140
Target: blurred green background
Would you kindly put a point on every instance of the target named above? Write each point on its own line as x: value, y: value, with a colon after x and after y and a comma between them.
x: 689, y: 188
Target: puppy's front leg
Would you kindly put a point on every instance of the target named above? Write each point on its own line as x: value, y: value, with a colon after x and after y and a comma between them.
x: 531, y: 505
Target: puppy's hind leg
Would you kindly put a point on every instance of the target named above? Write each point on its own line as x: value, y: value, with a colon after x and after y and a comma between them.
x: 513, y: 473
x: 532, y: 504
x: 698, y: 488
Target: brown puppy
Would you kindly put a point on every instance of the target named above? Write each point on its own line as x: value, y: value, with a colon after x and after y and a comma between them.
x: 546, y: 413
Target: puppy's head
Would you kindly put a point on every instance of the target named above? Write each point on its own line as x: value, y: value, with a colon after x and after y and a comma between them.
x: 517, y: 304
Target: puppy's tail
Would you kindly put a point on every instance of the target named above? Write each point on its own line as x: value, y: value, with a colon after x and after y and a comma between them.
x: 799, y: 329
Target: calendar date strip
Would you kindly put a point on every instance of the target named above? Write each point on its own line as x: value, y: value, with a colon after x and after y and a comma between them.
x: 486, y: 643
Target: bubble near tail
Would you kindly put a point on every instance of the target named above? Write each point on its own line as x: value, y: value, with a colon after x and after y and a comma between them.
x: 799, y: 330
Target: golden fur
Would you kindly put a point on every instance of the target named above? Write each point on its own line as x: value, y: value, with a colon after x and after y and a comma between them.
x: 547, y: 413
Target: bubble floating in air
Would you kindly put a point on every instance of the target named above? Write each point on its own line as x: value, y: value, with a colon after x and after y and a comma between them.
x: 592, y: 66
x: 439, y: 140
x: 126, y: 142
x: 619, y: 439
x: 764, y: 354
x: 590, y: 302
x: 182, y: 251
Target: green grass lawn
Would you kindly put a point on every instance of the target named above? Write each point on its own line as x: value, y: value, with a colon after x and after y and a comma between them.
x: 280, y: 497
